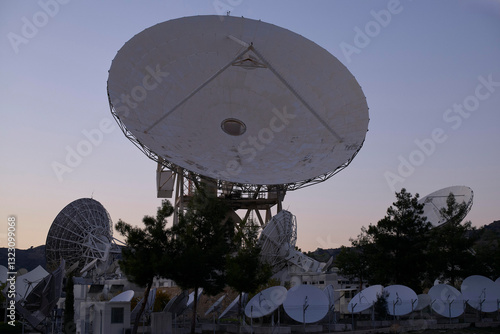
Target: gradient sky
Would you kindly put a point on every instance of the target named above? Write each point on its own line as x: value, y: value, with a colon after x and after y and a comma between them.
x: 430, y: 72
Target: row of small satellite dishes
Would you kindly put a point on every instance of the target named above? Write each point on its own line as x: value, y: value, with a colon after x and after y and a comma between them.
x: 480, y: 292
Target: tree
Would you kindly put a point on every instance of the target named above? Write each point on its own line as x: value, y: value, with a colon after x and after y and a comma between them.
x: 69, y: 306
x: 203, y: 239
x: 353, y: 262
x: 147, y: 254
x: 245, y: 270
x: 451, y: 244
x: 400, y: 239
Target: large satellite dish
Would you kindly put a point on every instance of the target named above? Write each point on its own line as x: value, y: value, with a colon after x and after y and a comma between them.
x: 434, y: 202
x: 81, y: 233
x: 237, y: 100
x: 446, y: 300
x: 277, y: 241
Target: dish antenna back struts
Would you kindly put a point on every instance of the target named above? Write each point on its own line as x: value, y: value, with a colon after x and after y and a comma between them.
x: 81, y: 234
x: 237, y: 104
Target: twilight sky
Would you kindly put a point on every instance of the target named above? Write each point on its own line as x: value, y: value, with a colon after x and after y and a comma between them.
x: 430, y: 72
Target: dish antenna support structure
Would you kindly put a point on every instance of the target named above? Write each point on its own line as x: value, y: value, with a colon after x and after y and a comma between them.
x: 248, y: 108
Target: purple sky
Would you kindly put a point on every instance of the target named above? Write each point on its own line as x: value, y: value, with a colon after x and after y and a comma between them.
x: 430, y: 72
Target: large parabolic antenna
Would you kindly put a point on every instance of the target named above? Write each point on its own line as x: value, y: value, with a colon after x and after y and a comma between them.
x: 237, y: 100
x: 436, y: 201
x: 277, y: 241
x: 81, y: 233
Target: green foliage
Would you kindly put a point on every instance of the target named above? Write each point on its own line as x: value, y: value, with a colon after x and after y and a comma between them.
x: 399, y: 241
x: 245, y: 270
x: 203, y: 239
x: 148, y: 251
x: 381, y: 307
x: 5, y: 328
x: 451, y: 244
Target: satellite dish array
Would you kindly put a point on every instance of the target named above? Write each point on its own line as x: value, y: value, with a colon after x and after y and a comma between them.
x: 479, y: 292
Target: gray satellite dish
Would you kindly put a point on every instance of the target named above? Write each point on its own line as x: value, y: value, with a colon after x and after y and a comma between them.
x: 436, y: 201
x: 481, y: 293
x: 364, y: 299
x: 215, y: 306
x: 446, y: 300
x: 306, y: 304
x: 232, y: 309
x: 401, y: 299
x: 177, y: 304
x: 424, y: 300
x: 81, y: 233
x: 277, y: 241
x: 265, y: 302
x: 200, y: 90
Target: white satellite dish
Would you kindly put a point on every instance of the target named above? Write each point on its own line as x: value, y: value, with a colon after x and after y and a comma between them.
x: 191, y: 297
x: 232, y: 308
x: 81, y: 233
x: 436, y: 201
x: 401, y: 299
x: 424, y: 300
x: 481, y: 293
x: 446, y: 300
x: 200, y: 88
x: 277, y: 241
x: 125, y: 296
x: 364, y: 299
x: 27, y: 282
x: 306, y: 304
x: 215, y: 306
x: 265, y: 302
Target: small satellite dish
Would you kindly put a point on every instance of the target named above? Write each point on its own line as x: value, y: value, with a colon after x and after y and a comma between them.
x: 401, y: 299
x: 177, y: 304
x: 191, y: 297
x: 265, y: 302
x: 215, y: 306
x: 446, y: 300
x: 125, y: 296
x: 232, y: 308
x: 424, y: 300
x: 364, y: 299
x: 306, y: 304
x: 481, y: 293
x: 27, y: 282
x: 434, y: 202
x: 202, y: 89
